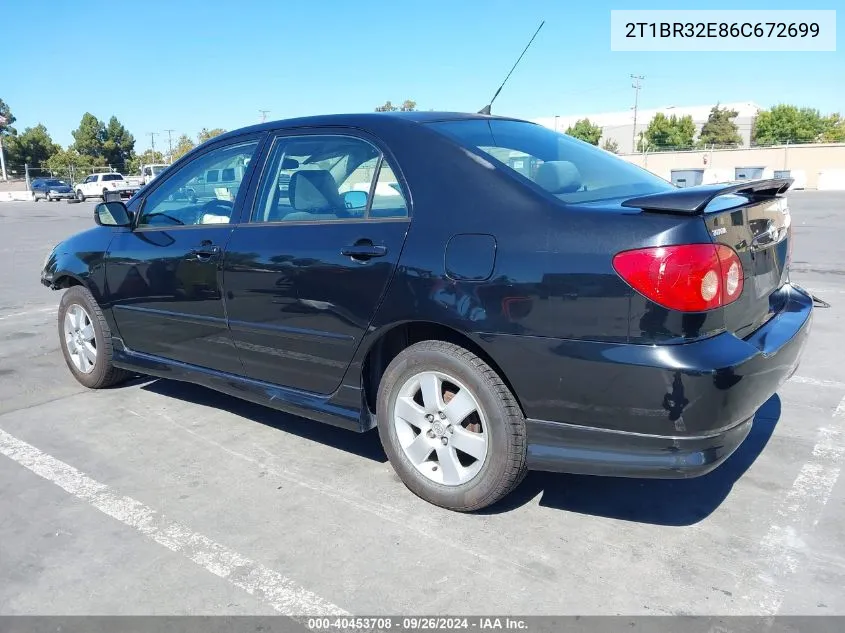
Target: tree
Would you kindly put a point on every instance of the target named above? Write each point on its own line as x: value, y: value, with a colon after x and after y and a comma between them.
x: 834, y: 129
x: 585, y: 131
x: 720, y: 128
x: 6, y: 120
x: 408, y: 105
x: 387, y: 107
x: 118, y: 144
x: 787, y: 124
x: 610, y: 145
x: 89, y: 137
x: 34, y: 146
x: 668, y: 132
x: 183, y: 146
x: 70, y: 164
x: 206, y: 134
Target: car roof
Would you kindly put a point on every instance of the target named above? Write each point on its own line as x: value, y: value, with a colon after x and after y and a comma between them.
x: 363, y: 119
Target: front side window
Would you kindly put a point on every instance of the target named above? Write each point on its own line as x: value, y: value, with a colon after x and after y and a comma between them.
x: 317, y: 178
x: 571, y: 170
x: 185, y: 198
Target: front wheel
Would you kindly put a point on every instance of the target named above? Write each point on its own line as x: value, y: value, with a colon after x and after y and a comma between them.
x: 86, y: 340
x: 451, y: 428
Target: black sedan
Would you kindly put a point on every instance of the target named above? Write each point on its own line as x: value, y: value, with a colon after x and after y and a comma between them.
x: 491, y: 295
x: 50, y: 189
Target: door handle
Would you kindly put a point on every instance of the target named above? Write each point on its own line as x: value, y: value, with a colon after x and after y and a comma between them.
x: 206, y: 251
x: 364, y: 250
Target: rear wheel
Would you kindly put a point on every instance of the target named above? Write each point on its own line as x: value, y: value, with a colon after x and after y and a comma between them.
x: 80, y: 196
x: 450, y: 427
x: 86, y: 340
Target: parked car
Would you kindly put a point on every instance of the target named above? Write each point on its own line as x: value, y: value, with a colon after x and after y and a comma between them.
x: 98, y: 185
x: 584, y: 316
x: 51, y: 189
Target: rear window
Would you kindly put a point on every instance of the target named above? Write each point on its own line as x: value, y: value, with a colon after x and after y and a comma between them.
x: 112, y: 177
x: 54, y: 183
x: 569, y: 169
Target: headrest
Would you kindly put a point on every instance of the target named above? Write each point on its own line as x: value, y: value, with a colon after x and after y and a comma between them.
x: 290, y: 163
x: 314, y: 190
x: 558, y: 176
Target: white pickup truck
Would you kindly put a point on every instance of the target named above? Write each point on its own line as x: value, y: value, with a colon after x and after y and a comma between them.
x: 98, y: 185
x: 148, y: 173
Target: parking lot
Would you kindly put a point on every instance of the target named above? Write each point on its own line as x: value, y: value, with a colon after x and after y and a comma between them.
x: 164, y: 498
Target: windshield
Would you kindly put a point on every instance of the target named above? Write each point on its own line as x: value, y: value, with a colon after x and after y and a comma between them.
x: 571, y: 170
x: 157, y: 169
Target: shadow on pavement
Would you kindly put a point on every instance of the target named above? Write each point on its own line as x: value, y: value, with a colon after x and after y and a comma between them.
x: 658, y: 501
x: 362, y: 444
x: 675, y: 502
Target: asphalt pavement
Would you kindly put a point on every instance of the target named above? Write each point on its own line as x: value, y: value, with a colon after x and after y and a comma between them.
x: 164, y: 498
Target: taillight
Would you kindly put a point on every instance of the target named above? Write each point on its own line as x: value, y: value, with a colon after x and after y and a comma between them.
x: 687, y: 277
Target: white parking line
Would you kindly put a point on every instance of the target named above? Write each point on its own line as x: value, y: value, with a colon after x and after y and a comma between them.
x: 29, y: 312
x: 268, y: 585
x: 800, y: 511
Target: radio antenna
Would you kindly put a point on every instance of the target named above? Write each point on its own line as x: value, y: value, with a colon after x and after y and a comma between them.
x: 486, y: 109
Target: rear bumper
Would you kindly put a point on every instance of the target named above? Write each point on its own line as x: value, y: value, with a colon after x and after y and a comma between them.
x: 558, y: 447
x: 649, y: 410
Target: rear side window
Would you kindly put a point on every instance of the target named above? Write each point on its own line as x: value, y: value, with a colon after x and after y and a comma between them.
x: 571, y: 170
x: 112, y: 177
x: 327, y: 178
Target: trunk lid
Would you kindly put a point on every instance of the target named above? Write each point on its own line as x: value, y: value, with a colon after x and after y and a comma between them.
x: 761, y: 235
x: 753, y: 219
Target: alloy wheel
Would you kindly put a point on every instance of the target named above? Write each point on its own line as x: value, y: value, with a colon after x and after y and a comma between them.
x: 441, y: 428
x: 80, y: 340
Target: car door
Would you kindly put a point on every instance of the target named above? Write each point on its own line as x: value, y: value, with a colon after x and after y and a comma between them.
x: 164, y: 276
x: 308, y: 266
x: 86, y: 185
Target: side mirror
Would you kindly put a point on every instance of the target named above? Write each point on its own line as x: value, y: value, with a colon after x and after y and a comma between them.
x: 355, y: 199
x: 112, y: 214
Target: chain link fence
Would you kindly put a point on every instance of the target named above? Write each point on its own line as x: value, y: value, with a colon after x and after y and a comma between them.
x: 71, y: 174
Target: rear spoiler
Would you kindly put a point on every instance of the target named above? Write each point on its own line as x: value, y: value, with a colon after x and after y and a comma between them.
x: 693, y: 200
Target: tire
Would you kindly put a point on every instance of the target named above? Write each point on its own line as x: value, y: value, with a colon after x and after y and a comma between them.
x: 498, y: 419
x: 49, y: 198
x: 80, y: 196
x: 101, y: 373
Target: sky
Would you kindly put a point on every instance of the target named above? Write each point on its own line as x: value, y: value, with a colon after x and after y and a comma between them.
x: 185, y: 64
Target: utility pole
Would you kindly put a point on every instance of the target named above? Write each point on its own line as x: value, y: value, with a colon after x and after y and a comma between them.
x: 263, y: 115
x: 153, y: 141
x: 636, y: 86
x: 2, y: 160
x: 169, y: 146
